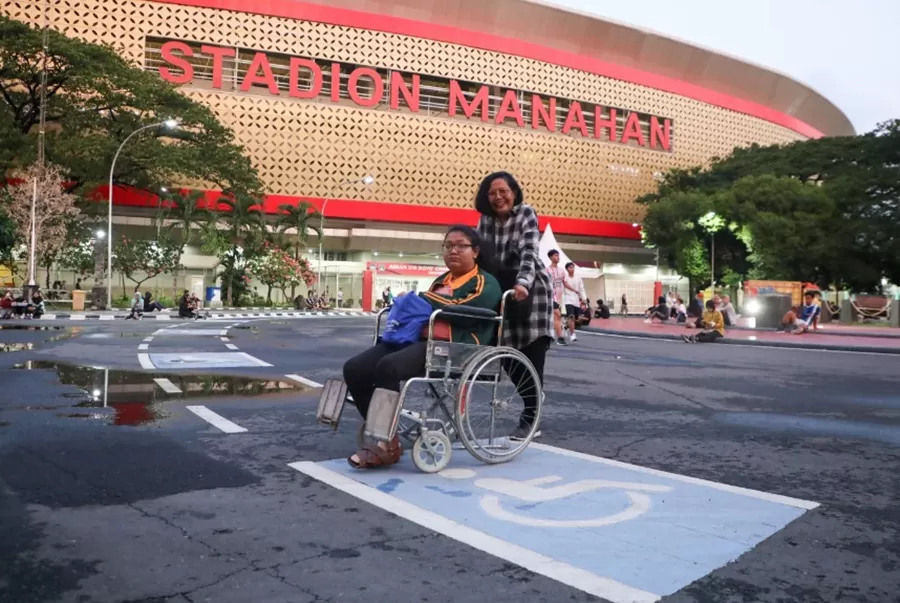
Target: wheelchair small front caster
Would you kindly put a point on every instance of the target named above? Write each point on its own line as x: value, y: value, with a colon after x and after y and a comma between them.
x: 431, y: 452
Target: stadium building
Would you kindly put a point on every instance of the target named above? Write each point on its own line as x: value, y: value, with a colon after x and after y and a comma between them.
x: 429, y: 96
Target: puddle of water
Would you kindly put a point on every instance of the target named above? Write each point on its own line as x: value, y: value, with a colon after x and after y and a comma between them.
x: 15, y: 347
x: 135, y: 397
x: 29, y: 328
x: 888, y: 434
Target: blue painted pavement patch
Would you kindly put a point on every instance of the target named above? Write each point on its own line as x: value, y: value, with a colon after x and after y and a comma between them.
x: 618, y: 531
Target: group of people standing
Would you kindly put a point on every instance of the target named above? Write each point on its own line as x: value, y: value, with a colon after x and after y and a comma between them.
x: 568, y: 295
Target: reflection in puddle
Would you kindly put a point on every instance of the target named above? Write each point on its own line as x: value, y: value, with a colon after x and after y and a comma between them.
x: 15, y: 347
x: 29, y: 328
x: 816, y: 426
x: 136, y: 398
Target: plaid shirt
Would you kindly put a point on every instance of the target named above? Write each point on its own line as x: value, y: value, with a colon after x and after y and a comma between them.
x: 519, y: 238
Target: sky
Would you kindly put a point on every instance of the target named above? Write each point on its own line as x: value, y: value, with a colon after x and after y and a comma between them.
x: 847, y: 51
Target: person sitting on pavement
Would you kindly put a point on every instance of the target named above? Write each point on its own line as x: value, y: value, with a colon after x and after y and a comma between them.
x: 602, y: 310
x: 679, y: 311
x: 6, y: 305
x: 36, y: 307
x: 150, y: 305
x: 185, y: 309
x: 137, y: 305
x: 375, y: 375
x: 728, y: 312
x: 801, y: 319
x: 660, y: 311
x: 713, y: 324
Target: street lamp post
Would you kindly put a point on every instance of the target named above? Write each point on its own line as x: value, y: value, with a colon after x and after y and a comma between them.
x: 366, y: 180
x: 712, y: 222
x: 169, y: 123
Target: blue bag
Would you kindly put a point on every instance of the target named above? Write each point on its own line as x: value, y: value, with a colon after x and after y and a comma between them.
x: 405, y: 321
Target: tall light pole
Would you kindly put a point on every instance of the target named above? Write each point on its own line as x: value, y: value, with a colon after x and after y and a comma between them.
x: 42, y: 125
x: 366, y: 180
x: 712, y: 222
x: 170, y: 124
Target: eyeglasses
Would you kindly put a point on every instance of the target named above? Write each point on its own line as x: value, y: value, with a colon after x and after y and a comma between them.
x: 448, y: 247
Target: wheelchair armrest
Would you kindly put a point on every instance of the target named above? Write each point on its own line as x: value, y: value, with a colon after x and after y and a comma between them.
x: 468, y: 312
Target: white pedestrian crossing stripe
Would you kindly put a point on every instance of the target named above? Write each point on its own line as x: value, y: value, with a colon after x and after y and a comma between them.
x: 207, y: 360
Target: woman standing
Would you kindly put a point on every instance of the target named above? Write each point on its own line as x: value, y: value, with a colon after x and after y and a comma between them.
x: 511, y: 227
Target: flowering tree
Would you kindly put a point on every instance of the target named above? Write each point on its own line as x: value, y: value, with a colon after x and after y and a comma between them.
x: 55, y: 209
x: 276, y: 268
x: 152, y: 258
x: 78, y: 256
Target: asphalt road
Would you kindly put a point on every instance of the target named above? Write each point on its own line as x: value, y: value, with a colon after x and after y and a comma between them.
x: 142, y: 500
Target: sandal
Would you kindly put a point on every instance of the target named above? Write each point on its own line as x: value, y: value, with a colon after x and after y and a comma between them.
x: 371, y: 456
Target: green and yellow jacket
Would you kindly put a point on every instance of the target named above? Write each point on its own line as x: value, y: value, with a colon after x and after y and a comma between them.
x: 476, y: 288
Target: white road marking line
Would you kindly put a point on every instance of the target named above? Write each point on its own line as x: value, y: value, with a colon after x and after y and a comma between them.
x: 767, y: 496
x: 78, y: 317
x: 216, y: 420
x: 225, y: 339
x: 144, y: 359
x: 304, y: 380
x: 107, y: 317
x: 144, y: 346
x: 599, y: 586
x: 167, y: 386
x: 231, y: 346
x: 148, y: 339
x: 49, y: 317
x: 745, y: 345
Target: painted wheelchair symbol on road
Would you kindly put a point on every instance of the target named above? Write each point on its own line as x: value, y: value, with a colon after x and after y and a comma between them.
x: 539, y: 490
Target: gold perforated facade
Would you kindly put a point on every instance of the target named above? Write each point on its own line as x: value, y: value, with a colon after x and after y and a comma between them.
x: 303, y: 148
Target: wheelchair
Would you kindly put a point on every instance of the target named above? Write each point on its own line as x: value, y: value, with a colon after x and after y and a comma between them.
x: 472, y: 398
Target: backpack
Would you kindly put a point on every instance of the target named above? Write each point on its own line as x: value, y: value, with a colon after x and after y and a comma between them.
x: 405, y: 320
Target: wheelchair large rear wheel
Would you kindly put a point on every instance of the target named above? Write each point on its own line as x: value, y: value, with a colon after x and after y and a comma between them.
x: 490, y: 403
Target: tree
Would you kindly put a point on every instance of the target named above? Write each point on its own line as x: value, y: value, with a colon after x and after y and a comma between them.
x: 275, y: 268
x: 78, y: 255
x: 241, y: 237
x: 825, y: 209
x: 7, y: 237
x: 186, y: 210
x: 95, y: 99
x: 152, y: 258
x: 300, y: 219
x: 55, y: 209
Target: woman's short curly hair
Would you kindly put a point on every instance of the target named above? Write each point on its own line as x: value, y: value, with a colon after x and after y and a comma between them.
x: 483, y: 204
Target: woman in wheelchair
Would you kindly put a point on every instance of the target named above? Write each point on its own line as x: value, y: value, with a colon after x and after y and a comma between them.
x: 379, y: 371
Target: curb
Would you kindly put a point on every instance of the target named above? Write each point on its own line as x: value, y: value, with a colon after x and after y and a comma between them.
x: 759, y: 344
x: 167, y: 317
x: 875, y: 335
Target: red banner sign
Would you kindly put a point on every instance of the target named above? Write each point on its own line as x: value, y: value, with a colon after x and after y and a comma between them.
x: 406, y: 269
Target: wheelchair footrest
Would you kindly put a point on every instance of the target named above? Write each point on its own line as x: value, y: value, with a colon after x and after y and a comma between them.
x: 331, y: 402
x: 383, y: 415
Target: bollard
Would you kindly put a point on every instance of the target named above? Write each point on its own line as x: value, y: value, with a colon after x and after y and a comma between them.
x: 895, y: 313
x: 848, y: 313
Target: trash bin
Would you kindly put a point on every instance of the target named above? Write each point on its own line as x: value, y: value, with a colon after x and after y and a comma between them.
x: 78, y: 300
x: 213, y: 295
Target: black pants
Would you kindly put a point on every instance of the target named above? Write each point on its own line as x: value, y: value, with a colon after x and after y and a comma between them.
x: 707, y: 336
x: 536, y: 352
x: 383, y: 366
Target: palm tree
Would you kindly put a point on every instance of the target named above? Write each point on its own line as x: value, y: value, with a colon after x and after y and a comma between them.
x: 244, y: 228
x: 300, y: 218
x: 186, y: 211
